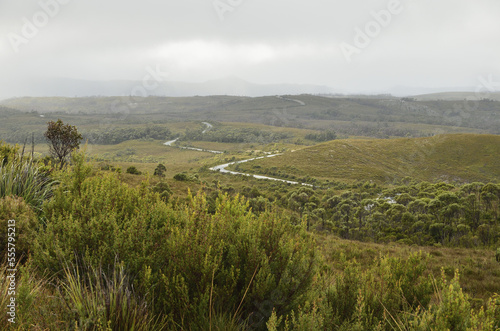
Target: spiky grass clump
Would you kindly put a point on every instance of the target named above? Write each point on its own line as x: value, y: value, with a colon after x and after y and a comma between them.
x: 24, y: 178
x: 38, y: 306
x: 101, y: 302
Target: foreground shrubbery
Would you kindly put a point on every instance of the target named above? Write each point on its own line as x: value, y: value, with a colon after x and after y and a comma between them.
x: 111, y: 257
x: 188, y: 263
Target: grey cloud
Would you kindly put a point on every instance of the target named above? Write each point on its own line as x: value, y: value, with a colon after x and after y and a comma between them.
x: 439, y: 43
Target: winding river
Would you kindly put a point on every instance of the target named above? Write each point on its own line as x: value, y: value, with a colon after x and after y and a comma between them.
x: 208, y: 127
x: 222, y: 168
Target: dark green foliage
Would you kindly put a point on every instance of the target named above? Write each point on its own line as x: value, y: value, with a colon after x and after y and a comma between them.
x: 120, y: 258
x: 261, y: 256
x: 117, y: 135
x: 323, y: 136
x: 184, y: 177
x: 354, y: 116
x: 98, y: 218
x: 423, y: 213
x: 160, y: 170
x: 240, y: 135
x: 163, y: 189
x: 133, y: 170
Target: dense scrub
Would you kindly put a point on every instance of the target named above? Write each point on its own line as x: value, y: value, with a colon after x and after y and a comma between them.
x: 240, y: 135
x: 113, y: 135
x: 419, y: 213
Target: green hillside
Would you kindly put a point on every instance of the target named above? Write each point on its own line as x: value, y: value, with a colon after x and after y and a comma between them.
x: 373, y: 117
x: 456, y: 157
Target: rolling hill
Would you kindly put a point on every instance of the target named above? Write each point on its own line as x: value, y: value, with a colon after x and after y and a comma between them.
x: 376, y: 117
x: 453, y: 158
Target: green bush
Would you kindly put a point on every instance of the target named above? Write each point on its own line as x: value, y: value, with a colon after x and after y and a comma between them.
x: 40, y: 305
x: 184, y: 177
x: 8, y: 152
x: 160, y: 170
x: 365, y: 299
x: 133, y: 170
x: 100, y: 218
x: 243, y: 264
x: 450, y: 311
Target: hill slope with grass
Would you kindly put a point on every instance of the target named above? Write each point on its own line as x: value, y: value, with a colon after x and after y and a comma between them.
x: 456, y: 157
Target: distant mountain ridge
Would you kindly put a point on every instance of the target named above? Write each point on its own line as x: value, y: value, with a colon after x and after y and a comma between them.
x: 66, y: 87
x: 233, y: 86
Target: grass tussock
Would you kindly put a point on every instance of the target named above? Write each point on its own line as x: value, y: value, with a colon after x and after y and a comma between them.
x: 100, y: 302
x: 25, y: 178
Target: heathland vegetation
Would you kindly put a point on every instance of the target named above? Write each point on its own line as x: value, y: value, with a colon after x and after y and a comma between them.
x: 131, y: 234
x: 98, y: 254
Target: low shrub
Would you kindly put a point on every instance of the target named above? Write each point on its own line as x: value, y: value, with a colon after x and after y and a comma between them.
x: 133, y: 170
x: 184, y: 177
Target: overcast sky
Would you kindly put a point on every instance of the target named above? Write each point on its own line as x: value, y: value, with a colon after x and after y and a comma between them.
x: 424, y: 43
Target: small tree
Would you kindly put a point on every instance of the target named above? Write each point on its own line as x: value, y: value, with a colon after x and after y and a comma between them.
x: 160, y: 170
x: 62, y: 139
